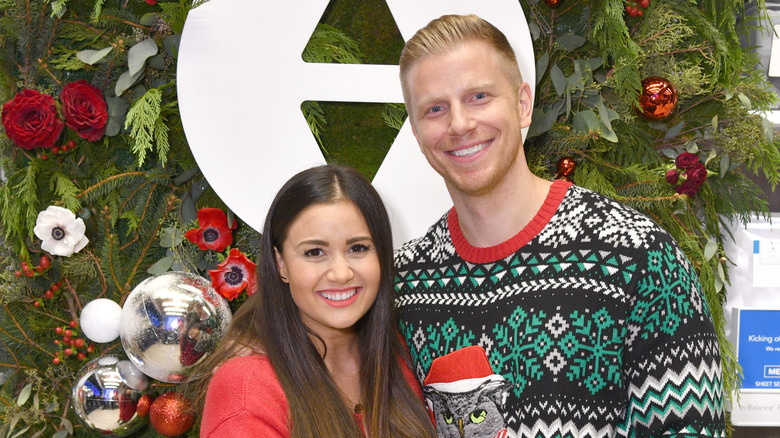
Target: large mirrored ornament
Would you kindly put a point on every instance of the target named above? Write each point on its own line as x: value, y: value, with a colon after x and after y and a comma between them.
x: 103, y: 401
x: 171, y: 322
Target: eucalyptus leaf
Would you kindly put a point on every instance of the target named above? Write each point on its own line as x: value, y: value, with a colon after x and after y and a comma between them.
x: 24, y: 395
x: 535, y: 31
x: 138, y: 54
x: 91, y: 57
x: 171, y: 237
x: 113, y: 126
x: 541, y: 66
x: 692, y: 147
x: 658, y: 126
x: 157, y: 62
x: 769, y: 129
x: 715, y: 123
x: 721, y: 274
x: 171, y: 44
x: 37, y: 434
x: 198, y: 189
x: 189, y: 213
x: 669, y: 152
x: 21, y: 432
x: 68, y: 426
x: 125, y: 81
x: 558, y: 79
x: 604, y: 116
x: 745, y: 101
x: 674, y: 130
x: 595, y: 63
x: 185, y: 176
x: 586, y: 121
x: 570, y: 42
x: 161, y: 266
x: 713, y: 154
x: 14, y: 420
x: 230, y: 219
x: 60, y: 434
x: 149, y: 19
x: 608, y: 134
x: 718, y: 284
x: 710, y: 248
x: 725, y: 161
x: 36, y: 401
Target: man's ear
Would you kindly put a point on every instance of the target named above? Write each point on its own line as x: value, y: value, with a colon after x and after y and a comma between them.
x: 526, y: 104
x: 281, y: 266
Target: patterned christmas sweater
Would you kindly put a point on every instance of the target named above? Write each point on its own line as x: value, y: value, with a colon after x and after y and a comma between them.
x: 591, y: 317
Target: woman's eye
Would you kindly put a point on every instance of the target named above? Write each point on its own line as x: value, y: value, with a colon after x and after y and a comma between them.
x: 314, y: 252
x: 359, y: 248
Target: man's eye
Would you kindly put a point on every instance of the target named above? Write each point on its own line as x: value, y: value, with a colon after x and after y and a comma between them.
x: 480, y: 96
x: 436, y: 109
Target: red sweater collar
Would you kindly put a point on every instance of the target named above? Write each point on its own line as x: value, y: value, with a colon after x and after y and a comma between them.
x: 475, y: 254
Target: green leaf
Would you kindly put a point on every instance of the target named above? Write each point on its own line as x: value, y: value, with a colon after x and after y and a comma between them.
x: 24, y: 395
x: 125, y: 81
x: 692, y: 147
x: 585, y: 121
x: 558, y: 79
x: 570, y: 42
x: 535, y: 31
x: 721, y: 274
x: 60, y: 434
x: 674, y: 130
x: 171, y: 236
x: 725, y: 162
x: 608, y: 134
x: 710, y: 248
x: 669, y: 152
x: 21, y: 432
x: 92, y: 57
x: 138, y: 54
x: 713, y: 154
x: 745, y: 101
x: 162, y: 266
x: 148, y: 19
x: 541, y: 66
x: 769, y: 129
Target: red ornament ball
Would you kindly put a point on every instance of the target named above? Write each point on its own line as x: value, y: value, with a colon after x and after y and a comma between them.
x: 144, y: 403
x: 170, y: 414
x: 553, y: 3
x: 658, y: 98
x: 565, y: 167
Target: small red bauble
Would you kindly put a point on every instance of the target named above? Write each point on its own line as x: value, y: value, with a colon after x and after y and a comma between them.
x: 553, y: 3
x: 565, y: 168
x: 170, y: 414
x: 144, y: 403
x: 658, y: 98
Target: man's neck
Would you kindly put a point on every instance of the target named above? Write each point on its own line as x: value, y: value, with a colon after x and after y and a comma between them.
x: 495, y: 217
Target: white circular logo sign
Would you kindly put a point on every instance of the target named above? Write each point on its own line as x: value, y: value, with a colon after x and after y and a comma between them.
x: 241, y: 81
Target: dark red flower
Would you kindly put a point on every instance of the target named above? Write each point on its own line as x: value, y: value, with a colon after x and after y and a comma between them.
x: 687, y: 188
x: 30, y: 120
x: 686, y: 160
x: 85, y: 109
x: 697, y: 174
x: 672, y: 176
x: 234, y: 275
x: 214, y: 232
x: 151, y: 2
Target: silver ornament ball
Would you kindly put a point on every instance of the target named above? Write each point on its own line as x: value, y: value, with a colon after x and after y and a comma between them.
x: 103, y: 401
x: 171, y: 322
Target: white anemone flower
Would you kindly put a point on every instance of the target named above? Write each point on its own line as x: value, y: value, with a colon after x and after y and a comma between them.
x: 61, y: 232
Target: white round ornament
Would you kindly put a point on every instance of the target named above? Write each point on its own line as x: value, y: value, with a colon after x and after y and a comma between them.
x: 99, y: 320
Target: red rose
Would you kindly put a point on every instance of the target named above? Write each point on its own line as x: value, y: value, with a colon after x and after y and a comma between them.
x: 672, y: 176
x: 213, y: 232
x: 686, y: 160
x: 151, y: 2
x: 234, y: 275
x: 687, y: 188
x: 697, y: 174
x: 85, y: 109
x: 30, y: 120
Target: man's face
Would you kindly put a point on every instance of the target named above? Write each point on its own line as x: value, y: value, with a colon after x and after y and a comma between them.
x: 467, y: 114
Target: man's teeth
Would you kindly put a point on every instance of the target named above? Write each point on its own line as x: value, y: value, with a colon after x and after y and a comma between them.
x: 339, y: 296
x: 469, y: 151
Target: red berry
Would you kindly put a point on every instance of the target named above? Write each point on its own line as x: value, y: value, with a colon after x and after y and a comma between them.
x: 44, y: 157
x: 68, y: 351
x: 81, y: 356
x: 56, y: 361
x: 79, y: 342
x: 56, y: 342
x: 45, y: 262
x: 37, y: 303
x: 39, y: 269
x: 73, y: 323
x: 58, y: 330
x: 55, y: 287
x: 638, y: 12
x: 66, y: 340
x: 18, y: 273
x: 25, y: 267
x: 48, y: 294
x: 71, y: 144
x: 68, y: 332
x: 644, y: 3
x: 91, y: 348
x: 29, y: 273
x: 55, y: 150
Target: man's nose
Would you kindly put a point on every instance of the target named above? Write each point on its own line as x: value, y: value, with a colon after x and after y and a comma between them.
x: 461, y: 120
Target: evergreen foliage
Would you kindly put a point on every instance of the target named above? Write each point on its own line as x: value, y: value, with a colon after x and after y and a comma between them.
x: 138, y: 188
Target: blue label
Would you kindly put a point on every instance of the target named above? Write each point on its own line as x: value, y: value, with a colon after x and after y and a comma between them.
x: 759, y: 348
x: 756, y: 246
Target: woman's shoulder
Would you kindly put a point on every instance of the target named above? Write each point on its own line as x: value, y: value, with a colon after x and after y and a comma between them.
x: 250, y: 374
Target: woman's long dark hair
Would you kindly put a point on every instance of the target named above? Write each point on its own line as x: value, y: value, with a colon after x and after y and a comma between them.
x: 270, y: 320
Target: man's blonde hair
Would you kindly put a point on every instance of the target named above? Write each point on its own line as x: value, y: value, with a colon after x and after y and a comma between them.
x: 448, y: 32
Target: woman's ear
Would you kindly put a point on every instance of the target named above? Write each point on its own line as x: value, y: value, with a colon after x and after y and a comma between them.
x: 281, y: 266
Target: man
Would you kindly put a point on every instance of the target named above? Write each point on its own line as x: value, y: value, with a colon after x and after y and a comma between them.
x: 590, y: 316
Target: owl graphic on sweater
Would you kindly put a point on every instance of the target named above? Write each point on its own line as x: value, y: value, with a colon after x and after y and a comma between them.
x: 466, y: 398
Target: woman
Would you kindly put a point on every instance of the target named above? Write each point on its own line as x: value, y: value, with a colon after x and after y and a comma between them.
x: 315, y: 352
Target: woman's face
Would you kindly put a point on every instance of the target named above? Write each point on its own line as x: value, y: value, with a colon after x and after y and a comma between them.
x: 331, y: 264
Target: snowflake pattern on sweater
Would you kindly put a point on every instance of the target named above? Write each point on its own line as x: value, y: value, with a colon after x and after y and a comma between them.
x: 595, y: 318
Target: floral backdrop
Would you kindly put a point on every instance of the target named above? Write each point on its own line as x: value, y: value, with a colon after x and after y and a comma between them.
x: 654, y: 103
